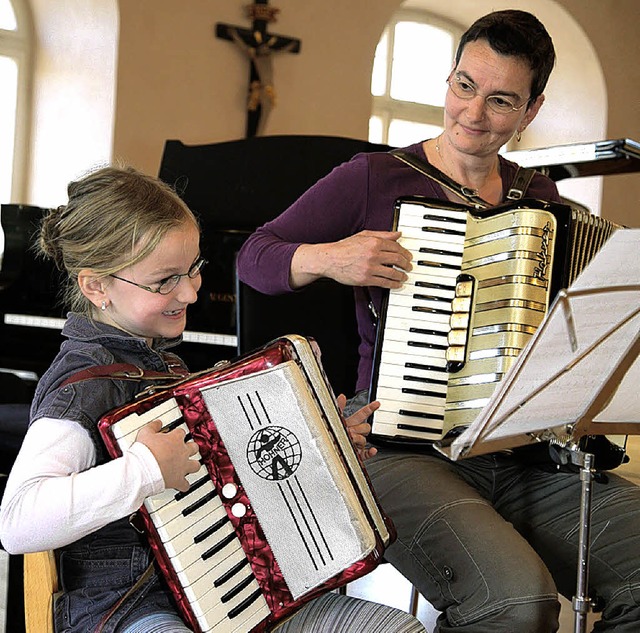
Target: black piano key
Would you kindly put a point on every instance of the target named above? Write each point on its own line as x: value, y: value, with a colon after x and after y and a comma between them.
x: 194, y: 486
x: 248, y: 601
x: 421, y: 414
x: 419, y: 429
x: 432, y: 264
x: 434, y: 286
x: 427, y: 345
x: 426, y: 368
x: 212, y: 551
x: 233, y: 592
x: 429, y: 217
x: 199, y: 503
x: 430, y: 310
x: 212, y: 529
x: 230, y: 573
x: 418, y: 330
x: 424, y: 392
x: 420, y: 297
x: 431, y: 381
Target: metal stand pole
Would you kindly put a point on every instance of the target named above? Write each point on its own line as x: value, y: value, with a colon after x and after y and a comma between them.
x: 581, y: 601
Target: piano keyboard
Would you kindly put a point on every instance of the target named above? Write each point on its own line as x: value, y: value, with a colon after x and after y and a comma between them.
x: 194, y: 527
x: 412, y: 377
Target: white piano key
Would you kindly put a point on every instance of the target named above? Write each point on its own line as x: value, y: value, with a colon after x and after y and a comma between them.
x: 168, y: 520
x: 187, y: 537
x: 395, y: 400
x: 397, y: 369
x: 167, y: 411
x: 200, y: 558
x: 169, y: 494
x: 200, y: 577
x: 390, y: 429
x: 422, y: 355
x: 435, y: 321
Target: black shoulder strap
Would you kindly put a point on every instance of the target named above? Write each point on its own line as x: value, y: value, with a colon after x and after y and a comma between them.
x: 442, y: 179
x: 520, y: 183
x: 517, y: 190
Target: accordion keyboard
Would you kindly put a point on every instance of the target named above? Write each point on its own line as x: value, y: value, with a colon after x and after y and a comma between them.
x: 199, y: 539
x: 412, y: 375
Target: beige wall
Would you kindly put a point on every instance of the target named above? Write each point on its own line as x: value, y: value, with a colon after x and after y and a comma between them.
x: 176, y: 80
x: 153, y: 70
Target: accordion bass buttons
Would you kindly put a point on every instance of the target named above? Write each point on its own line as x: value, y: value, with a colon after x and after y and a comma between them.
x: 459, y: 323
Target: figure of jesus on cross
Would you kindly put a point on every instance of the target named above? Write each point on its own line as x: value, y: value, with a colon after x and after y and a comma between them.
x: 259, y: 45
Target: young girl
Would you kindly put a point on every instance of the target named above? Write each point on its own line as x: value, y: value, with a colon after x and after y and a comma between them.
x: 130, y: 248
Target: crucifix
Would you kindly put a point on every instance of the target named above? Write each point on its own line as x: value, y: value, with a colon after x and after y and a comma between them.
x: 258, y: 45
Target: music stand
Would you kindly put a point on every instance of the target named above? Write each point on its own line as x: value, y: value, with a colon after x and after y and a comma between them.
x: 586, y: 386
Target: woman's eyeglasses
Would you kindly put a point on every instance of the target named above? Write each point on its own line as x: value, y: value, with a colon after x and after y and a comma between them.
x: 169, y: 284
x: 464, y: 89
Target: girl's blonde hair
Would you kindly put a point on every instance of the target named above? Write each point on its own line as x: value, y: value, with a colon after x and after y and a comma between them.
x: 114, y: 218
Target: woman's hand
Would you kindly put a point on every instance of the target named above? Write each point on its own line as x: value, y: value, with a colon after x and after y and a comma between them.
x: 172, y: 453
x: 358, y: 427
x: 368, y: 258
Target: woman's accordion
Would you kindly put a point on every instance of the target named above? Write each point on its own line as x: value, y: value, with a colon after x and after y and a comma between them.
x: 281, y: 509
x: 482, y: 282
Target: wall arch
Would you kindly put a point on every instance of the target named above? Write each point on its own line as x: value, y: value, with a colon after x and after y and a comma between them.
x: 576, y: 103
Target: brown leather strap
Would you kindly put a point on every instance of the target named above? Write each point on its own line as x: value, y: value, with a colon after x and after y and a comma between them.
x: 123, y: 371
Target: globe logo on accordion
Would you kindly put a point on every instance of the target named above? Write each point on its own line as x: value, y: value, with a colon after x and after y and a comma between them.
x: 274, y: 453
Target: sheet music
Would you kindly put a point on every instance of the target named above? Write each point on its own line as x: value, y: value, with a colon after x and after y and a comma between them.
x: 580, y: 367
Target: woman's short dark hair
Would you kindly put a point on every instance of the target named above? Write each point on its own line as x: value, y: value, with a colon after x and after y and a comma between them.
x: 518, y: 34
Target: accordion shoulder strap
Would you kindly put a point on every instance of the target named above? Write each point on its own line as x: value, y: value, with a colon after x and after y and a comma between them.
x: 124, y: 371
x: 442, y: 179
x: 520, y: 183
x: 517, y: 190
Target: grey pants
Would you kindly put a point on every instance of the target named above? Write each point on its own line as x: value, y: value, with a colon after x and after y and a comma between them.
x: 331, y: 613
x: 487, y: 540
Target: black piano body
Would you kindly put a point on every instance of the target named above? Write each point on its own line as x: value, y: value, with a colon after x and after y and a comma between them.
x: 233, y: 187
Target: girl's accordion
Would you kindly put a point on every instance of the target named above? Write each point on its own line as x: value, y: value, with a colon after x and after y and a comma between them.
x: 281, y: 509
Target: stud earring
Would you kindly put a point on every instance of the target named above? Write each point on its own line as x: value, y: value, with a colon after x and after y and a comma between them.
x: 103, y: 306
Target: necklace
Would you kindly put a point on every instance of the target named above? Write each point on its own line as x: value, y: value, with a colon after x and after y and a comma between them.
x: 467, y: 190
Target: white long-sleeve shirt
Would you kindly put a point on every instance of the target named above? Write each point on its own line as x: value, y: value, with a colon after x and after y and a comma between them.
x: 56, y: 495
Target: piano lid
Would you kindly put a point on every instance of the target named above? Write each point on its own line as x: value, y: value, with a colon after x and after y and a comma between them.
x: 575, y: 160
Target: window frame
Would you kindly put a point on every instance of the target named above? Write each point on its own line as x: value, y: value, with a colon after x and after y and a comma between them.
x: 384, y: 106
x: 18, y: 46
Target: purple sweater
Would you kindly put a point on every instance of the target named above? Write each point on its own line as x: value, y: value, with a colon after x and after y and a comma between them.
x: 357, y: 195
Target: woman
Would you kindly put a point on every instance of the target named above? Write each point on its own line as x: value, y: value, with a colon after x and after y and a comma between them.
x: 490, y: 540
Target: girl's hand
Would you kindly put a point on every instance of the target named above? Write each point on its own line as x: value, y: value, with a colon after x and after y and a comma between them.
x: 172, y: 453
x: 358, y: 427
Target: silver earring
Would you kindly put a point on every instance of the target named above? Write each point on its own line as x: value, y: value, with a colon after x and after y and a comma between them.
x: 103, y: 306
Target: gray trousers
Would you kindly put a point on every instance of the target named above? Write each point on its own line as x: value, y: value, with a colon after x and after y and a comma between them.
x: 490, y: 540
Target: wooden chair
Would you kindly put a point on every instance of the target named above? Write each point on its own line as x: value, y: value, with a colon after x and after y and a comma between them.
x: 40, y: 588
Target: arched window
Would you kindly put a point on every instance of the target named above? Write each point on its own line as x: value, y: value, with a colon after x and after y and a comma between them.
x: 14, y: 51
x: 408, y: 84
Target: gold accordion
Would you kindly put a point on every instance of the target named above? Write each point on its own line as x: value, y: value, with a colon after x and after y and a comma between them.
x: 482, y: 282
